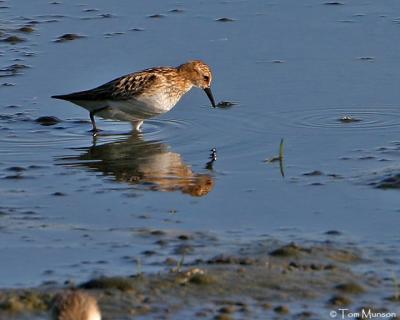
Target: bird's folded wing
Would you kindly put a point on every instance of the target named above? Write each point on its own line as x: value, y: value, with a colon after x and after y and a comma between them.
x: 122, y: 88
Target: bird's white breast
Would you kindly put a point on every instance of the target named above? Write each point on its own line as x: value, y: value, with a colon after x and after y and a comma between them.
x: 140, y: 107
x: 143, y: 107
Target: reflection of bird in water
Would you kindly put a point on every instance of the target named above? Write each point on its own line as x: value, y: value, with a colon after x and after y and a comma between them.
x: 212, y: 158
x: 147, y: 163
x: 75, y: 305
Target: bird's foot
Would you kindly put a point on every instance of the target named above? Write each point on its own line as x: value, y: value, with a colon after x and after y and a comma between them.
x: 136, y: 125
x: 95, y: 131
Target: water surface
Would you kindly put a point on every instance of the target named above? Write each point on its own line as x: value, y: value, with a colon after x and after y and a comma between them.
x: 73, y: 206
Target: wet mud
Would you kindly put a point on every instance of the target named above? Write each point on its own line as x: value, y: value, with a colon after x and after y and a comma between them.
x: 257, y: 280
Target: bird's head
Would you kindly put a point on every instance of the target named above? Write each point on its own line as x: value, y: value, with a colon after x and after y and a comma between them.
x: 200, y: 75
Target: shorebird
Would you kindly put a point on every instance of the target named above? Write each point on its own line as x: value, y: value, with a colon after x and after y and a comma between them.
x: 75, y: 305
x: 141, y: 95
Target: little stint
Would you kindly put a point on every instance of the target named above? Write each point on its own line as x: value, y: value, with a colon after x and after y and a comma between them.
x: 144, y: 94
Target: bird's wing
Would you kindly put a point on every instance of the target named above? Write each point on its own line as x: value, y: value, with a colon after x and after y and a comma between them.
x: 122, y: 88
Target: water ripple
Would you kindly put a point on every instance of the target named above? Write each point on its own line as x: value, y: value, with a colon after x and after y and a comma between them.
x: 331, y: 118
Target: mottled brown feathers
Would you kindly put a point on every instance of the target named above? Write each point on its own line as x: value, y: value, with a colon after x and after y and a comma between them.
x: 146, y: 82
x: 122, y: 88
x: 75, y: 305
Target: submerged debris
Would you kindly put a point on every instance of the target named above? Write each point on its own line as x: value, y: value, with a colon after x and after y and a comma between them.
x: 58, y: 194
x: 156, y: 16
x: 348, y: 119
x: 195, y: 276
x: 281, y: 309
x: 136, y: 29
x: 111, y: 34
x: 25, y: 301
x: 313, y: 173
x: 119, y: 283
x: 12, y: 70
x: 392, y: 182
x: 26, y: 29
x: 366, y: 58
x: 350, y: 287
x: 13, y: 39
x: 225, y: 19
x: 68, y: 37
x: 106, y: 15
x: 226, y: 104
x: 16, y: 169
x: 176, y: 11
x: 91, y: 10
x: 47, y: 120
x: 334, y: 3
x: 229, y: 259
x: 339, y: 301
x: 289, y: 250
x: 333, y: 233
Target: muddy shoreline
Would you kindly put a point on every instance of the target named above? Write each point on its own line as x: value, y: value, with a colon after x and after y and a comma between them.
x: 254, y: 281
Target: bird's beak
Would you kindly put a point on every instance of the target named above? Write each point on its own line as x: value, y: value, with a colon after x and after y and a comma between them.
x: 210, y: 96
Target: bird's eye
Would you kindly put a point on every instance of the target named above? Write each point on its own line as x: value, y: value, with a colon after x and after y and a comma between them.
x: 206, y: 78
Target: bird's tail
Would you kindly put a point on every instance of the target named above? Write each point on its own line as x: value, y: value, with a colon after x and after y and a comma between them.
x: 61, y: 97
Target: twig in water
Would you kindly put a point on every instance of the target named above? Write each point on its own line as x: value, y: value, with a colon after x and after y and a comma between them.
x: 138, y: 266
x: 278, y: 158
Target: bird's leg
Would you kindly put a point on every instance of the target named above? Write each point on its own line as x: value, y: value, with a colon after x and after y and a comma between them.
x: 92, y: 113
x: 94, y: 129
x: 136, y: 125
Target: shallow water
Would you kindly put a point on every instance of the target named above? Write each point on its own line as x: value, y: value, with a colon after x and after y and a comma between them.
x: 73, y: 206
